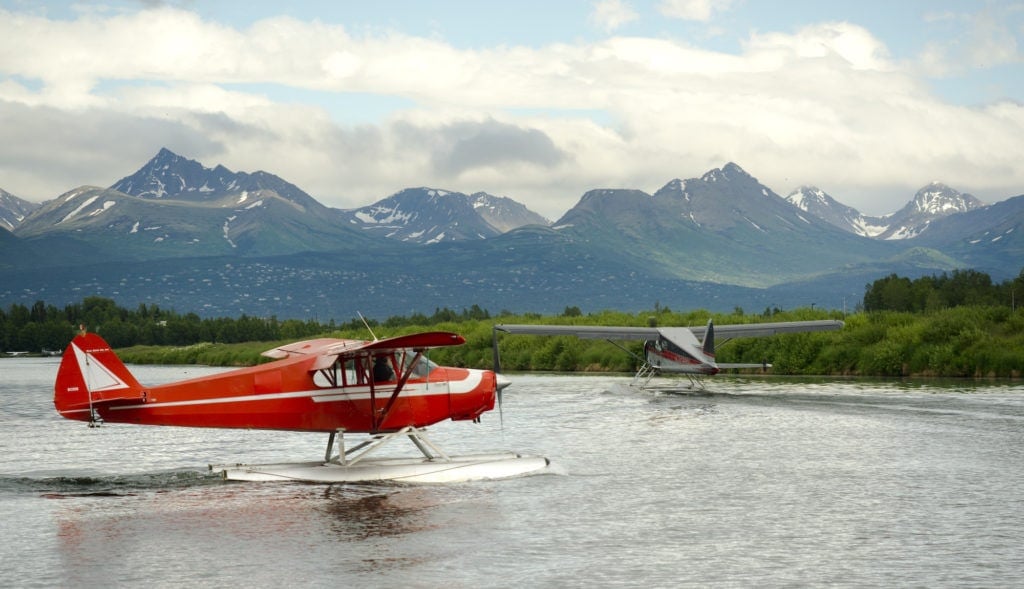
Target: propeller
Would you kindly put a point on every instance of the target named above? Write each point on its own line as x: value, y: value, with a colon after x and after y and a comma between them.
x: 501, y: 381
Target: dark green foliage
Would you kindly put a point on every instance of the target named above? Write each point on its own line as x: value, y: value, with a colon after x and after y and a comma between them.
x: 931, y: 293
x: 966, y: 340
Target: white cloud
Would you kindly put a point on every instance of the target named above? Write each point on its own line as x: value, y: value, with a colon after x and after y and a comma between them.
x: 699, y: 10
x: 610, y: 15
x: 90, y: 100
x: 853, y: 44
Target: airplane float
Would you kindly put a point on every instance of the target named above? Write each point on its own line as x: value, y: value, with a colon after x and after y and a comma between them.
x: 386, y: 389
x: 683, y: 350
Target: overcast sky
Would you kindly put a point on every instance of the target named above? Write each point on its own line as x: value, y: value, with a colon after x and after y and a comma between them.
x: 539, y: 101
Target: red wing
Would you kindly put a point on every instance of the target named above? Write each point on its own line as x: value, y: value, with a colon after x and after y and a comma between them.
x: 350, y: 347
x: 314, y: 346
x: 417, y: 341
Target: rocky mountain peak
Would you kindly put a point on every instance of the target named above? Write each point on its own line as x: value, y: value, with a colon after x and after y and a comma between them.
x: 13, y: 210
x: 819, y: 203
x: 504, y: 213
x: 937, y: 199
x: 728, y: 172
x: 166, y: 175
x: 807, y: 198
x: 169, y: 176
x: 934, y: 201
x: 431, y: 215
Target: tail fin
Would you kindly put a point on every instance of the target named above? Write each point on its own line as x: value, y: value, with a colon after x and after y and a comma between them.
x: 91, y: 377
x: 708, y: 347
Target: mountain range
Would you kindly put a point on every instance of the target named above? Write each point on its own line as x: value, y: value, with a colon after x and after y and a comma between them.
x: 213, y: 241
x: 930, y: 203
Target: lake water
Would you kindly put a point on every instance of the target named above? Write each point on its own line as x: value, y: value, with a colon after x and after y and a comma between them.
x: 765, y: 482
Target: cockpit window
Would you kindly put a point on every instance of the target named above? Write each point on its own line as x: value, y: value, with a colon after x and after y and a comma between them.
x: 423, y: 365
x: 359, y: 371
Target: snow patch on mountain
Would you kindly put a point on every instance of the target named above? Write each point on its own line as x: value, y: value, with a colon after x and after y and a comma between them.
x: 13, y: 210
x: 227, y: 230
x: 77, y: 210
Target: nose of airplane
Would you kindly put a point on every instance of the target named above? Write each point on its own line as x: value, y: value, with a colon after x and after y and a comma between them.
x: 501, y: 381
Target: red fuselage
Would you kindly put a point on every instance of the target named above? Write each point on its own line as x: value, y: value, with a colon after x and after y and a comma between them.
x: 288, y: 394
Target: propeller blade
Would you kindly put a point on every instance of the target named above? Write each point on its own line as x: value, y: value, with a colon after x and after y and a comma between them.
x: 500, y: 381
x: 501, y: 413
x: 494, y: 351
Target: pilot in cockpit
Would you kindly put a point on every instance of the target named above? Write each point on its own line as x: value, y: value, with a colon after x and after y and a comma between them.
x: 382, y: 369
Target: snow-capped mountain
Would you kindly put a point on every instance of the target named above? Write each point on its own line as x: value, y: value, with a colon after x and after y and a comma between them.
x: 503, y: 213
x: 429, y: 215
x: 989, y: 238
x: 169, y: 176
x: 729, y: 197
x: 817, y: 202
x: 722, y: 227
x: 932, y: 202
x: 176, y: 207
x: 13, y: 210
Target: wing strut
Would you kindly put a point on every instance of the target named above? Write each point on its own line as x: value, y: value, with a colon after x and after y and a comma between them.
x: 378, y: 420
x: 623, y: 348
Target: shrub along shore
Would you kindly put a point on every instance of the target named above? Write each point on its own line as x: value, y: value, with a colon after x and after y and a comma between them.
x: 967, y: 341
x: 956, y: 325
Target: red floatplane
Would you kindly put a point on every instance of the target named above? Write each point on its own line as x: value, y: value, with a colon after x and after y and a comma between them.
x: 386, y: 389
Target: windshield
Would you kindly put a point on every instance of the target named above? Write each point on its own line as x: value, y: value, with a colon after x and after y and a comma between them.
x: 423, y: 365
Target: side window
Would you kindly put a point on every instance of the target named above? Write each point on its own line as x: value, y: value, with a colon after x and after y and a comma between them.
x: 383, y: 369
x: 355, y: 373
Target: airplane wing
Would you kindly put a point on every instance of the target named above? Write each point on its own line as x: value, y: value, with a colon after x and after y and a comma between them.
x: 336, y: 347
x: 767, y: 329
x: 646, y: 333
x: 582, y: 331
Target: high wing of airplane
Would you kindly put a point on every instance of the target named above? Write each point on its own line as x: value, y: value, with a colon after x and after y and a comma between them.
x: 684, y: 350
x: 385, y: 389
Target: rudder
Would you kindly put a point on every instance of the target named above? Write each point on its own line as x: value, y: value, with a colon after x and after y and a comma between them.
x: 90, y: 377
x: 708, y: 345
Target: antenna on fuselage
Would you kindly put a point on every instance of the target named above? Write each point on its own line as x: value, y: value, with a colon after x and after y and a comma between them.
x: 367, y: 325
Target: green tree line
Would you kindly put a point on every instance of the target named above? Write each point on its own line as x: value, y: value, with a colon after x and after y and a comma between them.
x: 966, y: 341
x: 46, y: 327
x: 932, y: 293
x: 967, y: 327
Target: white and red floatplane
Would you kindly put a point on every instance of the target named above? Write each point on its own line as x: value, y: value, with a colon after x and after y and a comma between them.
x: 382, y: 389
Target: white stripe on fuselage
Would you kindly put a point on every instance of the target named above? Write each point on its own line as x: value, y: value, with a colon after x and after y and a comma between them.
x: 426, y: 389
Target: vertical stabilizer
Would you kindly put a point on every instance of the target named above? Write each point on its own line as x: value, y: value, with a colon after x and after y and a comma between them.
x: 708, y: 347
x: 92, y: 376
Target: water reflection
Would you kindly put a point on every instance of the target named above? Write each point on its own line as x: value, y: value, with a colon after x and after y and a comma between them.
x: 354, y: 514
